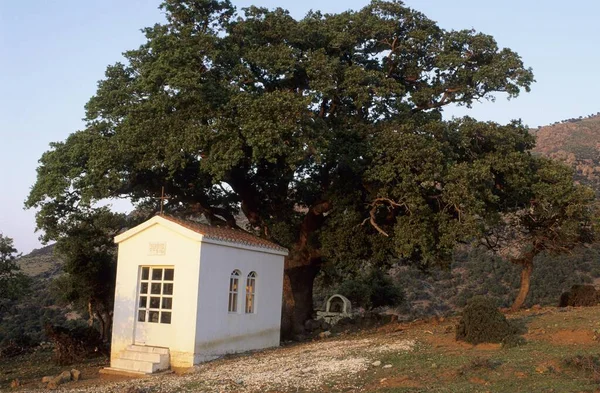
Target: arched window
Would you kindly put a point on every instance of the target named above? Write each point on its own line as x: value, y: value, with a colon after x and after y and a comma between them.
x: 250, y: 292
x: 234, y: 285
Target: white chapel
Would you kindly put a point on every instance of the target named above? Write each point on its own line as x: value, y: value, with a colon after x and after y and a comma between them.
x: 188, y: 292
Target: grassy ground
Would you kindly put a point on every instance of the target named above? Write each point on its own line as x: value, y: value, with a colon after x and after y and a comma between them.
x: 29, y: 369
x: 437, y: 363
x: 443, y: 365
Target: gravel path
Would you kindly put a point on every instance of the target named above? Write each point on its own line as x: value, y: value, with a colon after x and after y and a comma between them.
x: 306, y: 366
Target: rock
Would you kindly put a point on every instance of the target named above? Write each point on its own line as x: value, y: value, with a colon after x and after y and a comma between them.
x: 75, y: 375
x: 15, y: 383
x: 376, y: 363
x: 387, y: 366
x: 325, y: 334
x: 541, y: 369
x: 383, y: 380
x: 299, y: 337
x: 47, y: 379
x: 65, y: 376
x: 312, y: 324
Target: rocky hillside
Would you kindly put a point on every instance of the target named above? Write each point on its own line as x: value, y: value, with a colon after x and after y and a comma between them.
x: 575, y: 142
x: 23, y: 320
x: 41, y: 263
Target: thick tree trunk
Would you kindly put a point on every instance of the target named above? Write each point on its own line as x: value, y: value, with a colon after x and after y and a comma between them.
x: 527, y: 269
x: 297, y: 298
x: 106, y: 327
x: 301, y: 268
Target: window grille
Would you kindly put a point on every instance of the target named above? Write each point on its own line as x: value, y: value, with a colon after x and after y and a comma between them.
x: 250, y: 292
x: 155, y: 303
x: 234, y: 281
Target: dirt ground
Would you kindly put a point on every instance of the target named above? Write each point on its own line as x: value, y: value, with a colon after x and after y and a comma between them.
x: 422, y: 356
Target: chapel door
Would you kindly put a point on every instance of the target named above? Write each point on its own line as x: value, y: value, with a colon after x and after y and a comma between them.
x: 154, y: 305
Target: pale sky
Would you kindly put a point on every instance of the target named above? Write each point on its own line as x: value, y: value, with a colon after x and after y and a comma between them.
x: 53, y: 52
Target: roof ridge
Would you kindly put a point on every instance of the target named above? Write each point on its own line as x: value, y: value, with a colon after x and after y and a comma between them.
x: 224, y: 233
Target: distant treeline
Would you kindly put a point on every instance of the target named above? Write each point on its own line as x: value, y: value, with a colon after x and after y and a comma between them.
x: 573, y: 120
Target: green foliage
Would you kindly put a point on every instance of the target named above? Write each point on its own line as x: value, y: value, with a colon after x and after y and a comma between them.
x: 13, y: 283
x: 288, y: 113
x: 301, y: 125
x: 482, y: 322
x: 89, y: 256
x: 371, y: 290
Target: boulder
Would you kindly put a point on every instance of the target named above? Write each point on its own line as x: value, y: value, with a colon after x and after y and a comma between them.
x: 75, y: 375
x: 580, y: 296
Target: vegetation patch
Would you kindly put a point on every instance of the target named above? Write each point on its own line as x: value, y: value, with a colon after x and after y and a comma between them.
x: 480, y: 364
x: 482, y: 322
x: 590, y: 364
x: 580, y: 296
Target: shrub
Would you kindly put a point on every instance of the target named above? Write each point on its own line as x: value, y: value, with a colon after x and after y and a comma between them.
x: 371, y: 290
x: 588, y: 363
x: 580, y: 296
x: 73, y: 345
x: 482, y: 322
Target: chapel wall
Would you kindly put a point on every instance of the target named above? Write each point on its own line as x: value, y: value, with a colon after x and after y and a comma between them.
x: 183, y: 254
x: 219, y: 331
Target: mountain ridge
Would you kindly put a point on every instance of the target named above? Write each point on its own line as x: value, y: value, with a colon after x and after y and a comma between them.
x: 576, y: 142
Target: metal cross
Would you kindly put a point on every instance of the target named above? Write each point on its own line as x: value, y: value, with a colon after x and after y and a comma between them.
x: 162, y: 199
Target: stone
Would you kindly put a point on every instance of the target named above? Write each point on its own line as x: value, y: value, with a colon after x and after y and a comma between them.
x: 376, y: 363
x: 311, y: 325
x: 65, y: 376
x: 325, y: 334
x: 47, y: 379
x: 75, y: 375
x: 387, y: 366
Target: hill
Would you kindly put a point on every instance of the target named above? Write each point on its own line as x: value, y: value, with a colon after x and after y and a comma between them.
x: 575, y: 142
x: 41, y: 263
x: 23, y: 320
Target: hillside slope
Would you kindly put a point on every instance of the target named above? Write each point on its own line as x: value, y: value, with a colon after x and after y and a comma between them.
x: 575, y: 142
x: 41, y: 263
x: 23, y: 320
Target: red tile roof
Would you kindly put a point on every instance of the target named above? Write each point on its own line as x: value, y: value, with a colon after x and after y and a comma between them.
x: 226, y: 234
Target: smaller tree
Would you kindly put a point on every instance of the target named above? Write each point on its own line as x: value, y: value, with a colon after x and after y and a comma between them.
x: 86, y: 245
x: 12, y: 281
x: 552, y: 214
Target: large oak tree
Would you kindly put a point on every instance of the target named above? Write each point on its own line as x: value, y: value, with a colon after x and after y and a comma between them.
x: 325, y: 132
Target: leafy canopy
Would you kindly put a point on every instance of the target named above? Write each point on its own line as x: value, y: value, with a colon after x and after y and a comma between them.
x: 12, y: 281
x: 309, y: 126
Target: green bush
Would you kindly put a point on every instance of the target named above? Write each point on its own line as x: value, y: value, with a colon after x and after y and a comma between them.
x: 372, y: 290
x: 482, y: 322
x: 580, y: 296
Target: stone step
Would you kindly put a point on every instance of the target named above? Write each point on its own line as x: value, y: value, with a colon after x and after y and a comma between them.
x: 148, y: 349
x: 135, y: 365
x: 145, y: 356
